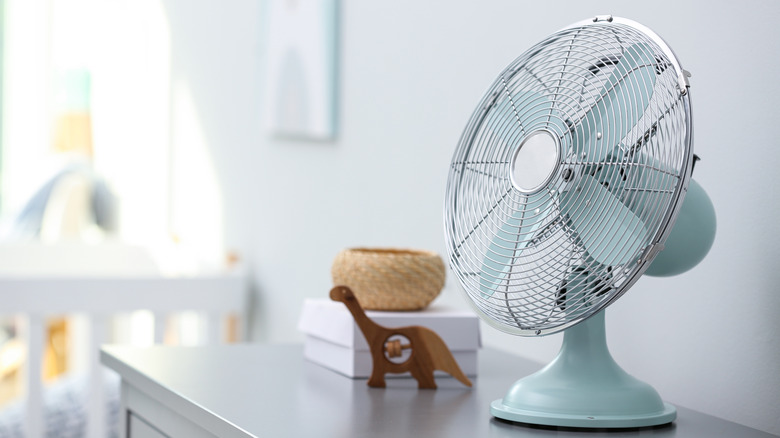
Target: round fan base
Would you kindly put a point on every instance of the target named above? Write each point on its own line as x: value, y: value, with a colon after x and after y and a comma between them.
x: 499, y: 410
x: 584, y: 387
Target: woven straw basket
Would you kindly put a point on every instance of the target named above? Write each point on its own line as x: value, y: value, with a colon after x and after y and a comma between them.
x: 390, y: 279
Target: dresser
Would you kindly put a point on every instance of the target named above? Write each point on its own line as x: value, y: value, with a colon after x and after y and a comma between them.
x: 255, y: 390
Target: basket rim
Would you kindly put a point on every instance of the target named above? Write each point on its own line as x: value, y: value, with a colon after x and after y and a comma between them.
x: 396, y: 252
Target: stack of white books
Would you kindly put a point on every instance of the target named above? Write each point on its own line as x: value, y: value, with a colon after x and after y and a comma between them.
x: 332, y: 338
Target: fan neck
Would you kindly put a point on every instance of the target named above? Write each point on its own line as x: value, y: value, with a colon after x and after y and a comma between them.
x: 590, y: 334
x: 585, y: 349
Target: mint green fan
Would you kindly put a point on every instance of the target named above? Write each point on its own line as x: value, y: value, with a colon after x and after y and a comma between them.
x: 571, y: 179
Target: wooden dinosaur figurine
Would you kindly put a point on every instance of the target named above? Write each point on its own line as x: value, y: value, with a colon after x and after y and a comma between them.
x: 428, y: 351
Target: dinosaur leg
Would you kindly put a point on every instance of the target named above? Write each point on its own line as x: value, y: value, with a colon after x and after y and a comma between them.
x: 377, y: 379
x: 424, y: 377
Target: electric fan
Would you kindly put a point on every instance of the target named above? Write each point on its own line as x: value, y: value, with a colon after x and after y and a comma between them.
x: 566, y: 186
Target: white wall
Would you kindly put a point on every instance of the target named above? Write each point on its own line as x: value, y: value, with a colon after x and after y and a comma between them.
x: 411, y: 73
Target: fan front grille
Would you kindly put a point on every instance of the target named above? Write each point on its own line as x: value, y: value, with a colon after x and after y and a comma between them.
x: 538, y: 261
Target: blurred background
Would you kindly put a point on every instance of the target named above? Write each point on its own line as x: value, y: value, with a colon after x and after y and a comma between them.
x: 144, y: 125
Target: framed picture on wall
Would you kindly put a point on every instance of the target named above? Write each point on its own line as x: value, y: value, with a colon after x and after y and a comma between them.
x: 301, y: 58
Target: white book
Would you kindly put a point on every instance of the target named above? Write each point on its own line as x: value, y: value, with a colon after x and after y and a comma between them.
x: 335, y: 341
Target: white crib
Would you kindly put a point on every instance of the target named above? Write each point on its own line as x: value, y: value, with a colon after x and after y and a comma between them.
x: 97, y: 298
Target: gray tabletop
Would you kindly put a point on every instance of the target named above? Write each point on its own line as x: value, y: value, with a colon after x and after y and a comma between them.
x: 262, y: 390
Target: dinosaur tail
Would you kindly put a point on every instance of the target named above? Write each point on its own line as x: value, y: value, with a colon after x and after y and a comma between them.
x: 442, y: 357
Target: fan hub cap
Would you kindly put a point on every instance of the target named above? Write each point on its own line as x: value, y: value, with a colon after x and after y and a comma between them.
x: 535, y: 161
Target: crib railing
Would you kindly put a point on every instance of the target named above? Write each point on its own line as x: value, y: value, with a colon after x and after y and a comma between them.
x: 98, y: 299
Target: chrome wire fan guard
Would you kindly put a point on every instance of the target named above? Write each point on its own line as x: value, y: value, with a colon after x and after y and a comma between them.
x: 568, y: 175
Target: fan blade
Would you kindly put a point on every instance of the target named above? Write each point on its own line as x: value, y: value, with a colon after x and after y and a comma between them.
x: 645, y: 181
x: 512, y: 237
x: 512, y: 119
x: 621, y: 104
x: 609, y: 231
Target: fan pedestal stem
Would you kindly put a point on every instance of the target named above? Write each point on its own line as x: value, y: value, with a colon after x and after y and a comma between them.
x: 584, y: 387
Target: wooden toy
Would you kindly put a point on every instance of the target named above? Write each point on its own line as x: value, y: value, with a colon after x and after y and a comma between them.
x: 428, y: 351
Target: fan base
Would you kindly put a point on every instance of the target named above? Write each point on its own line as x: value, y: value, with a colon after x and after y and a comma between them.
x: 584, y: 387
x: 499, y: 410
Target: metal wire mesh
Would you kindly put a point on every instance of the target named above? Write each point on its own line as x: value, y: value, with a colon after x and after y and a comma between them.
x: 537, y: 261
